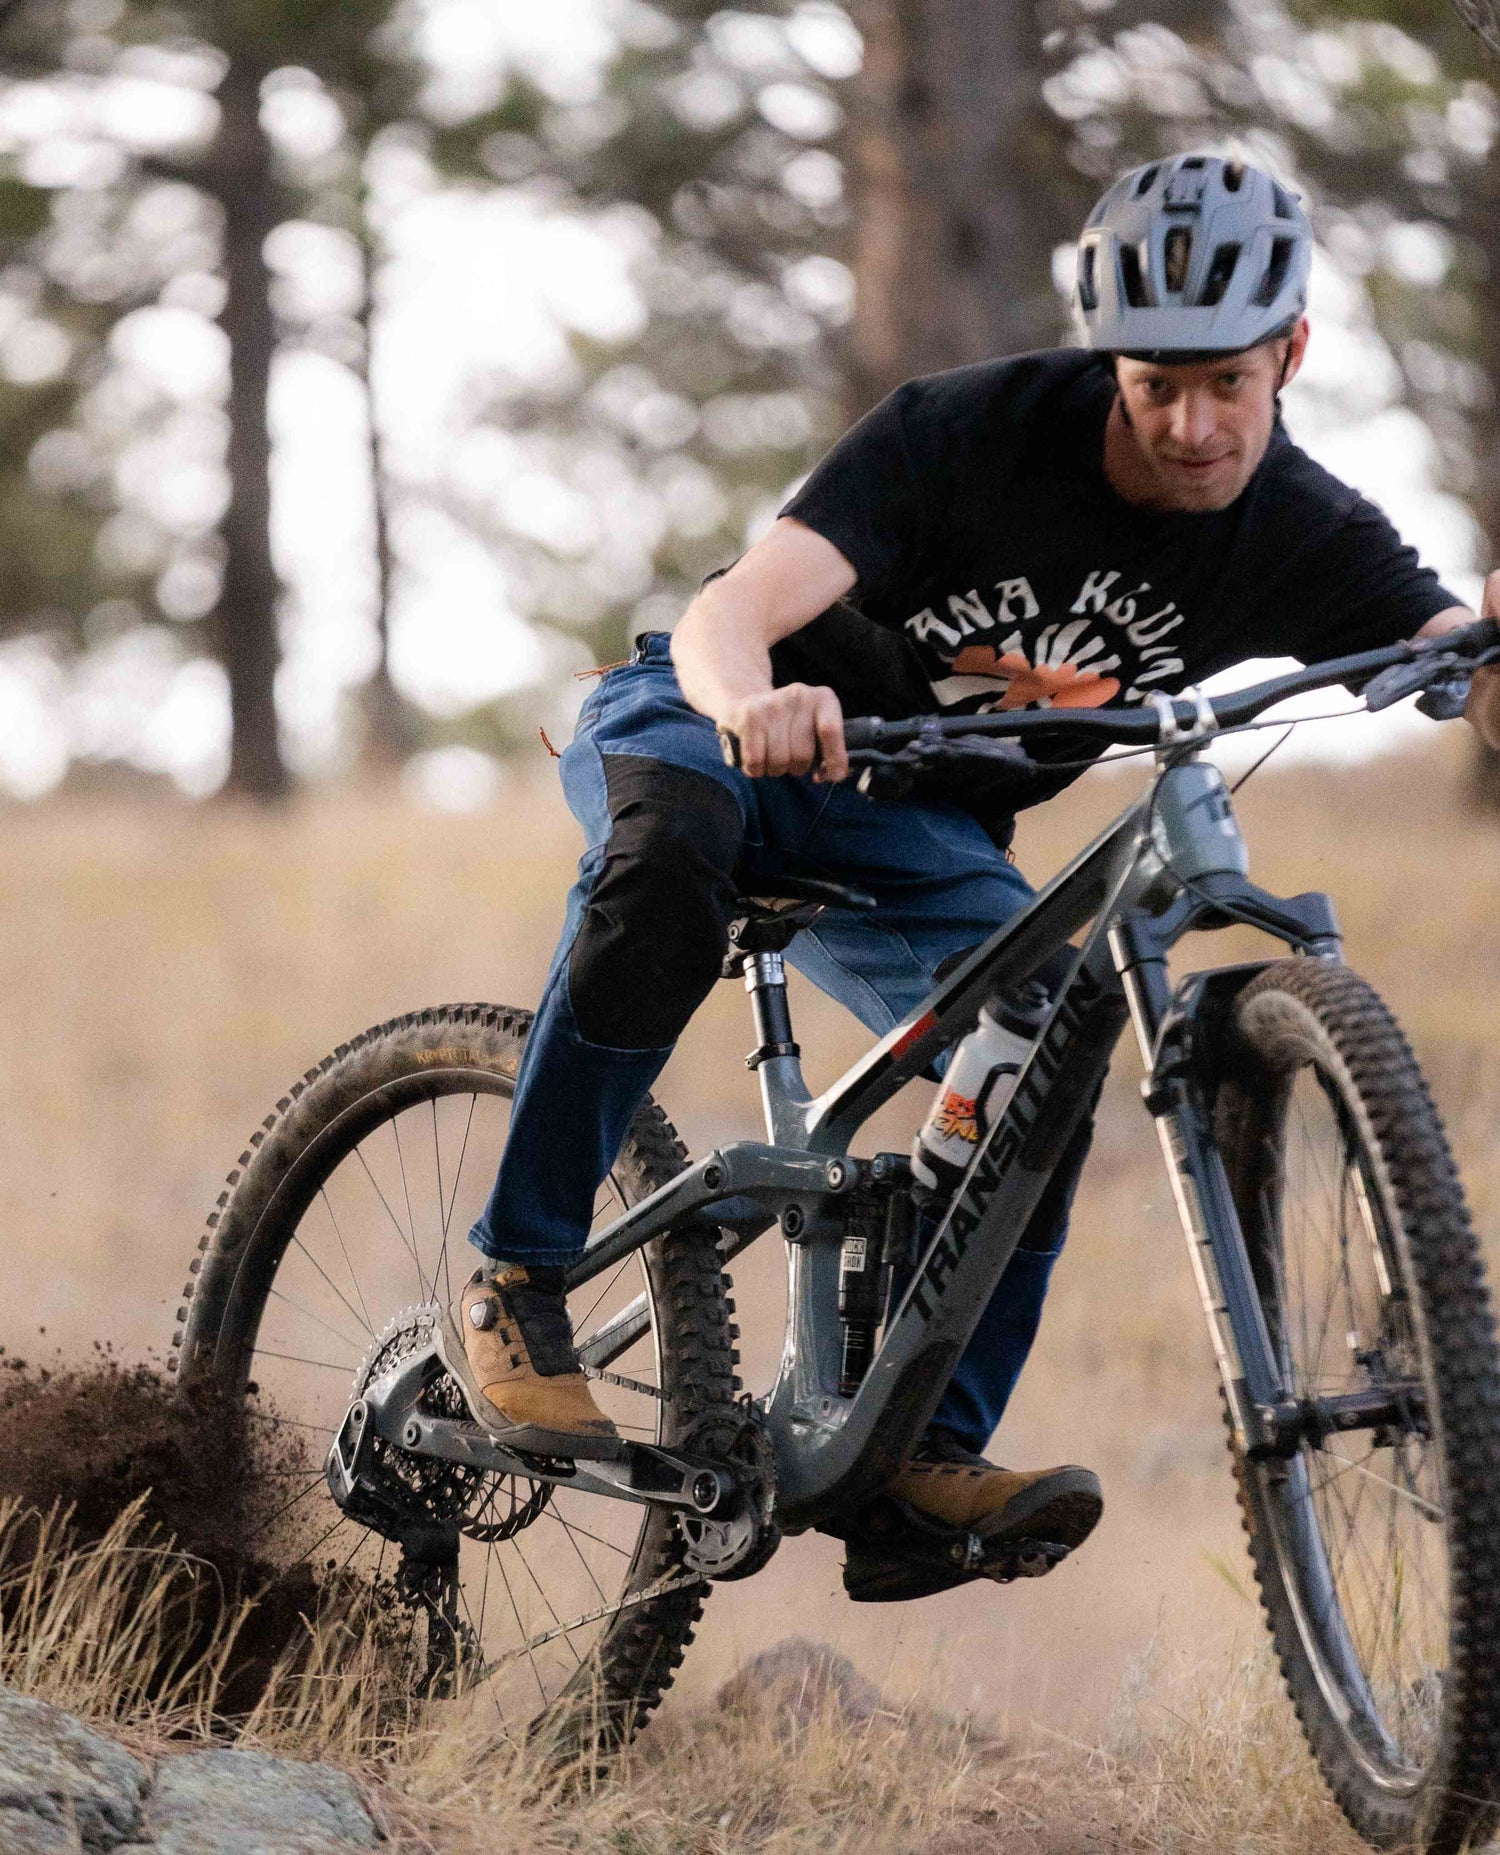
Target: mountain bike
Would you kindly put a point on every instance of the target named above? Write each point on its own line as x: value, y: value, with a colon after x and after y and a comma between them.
x: 1339, y: 1274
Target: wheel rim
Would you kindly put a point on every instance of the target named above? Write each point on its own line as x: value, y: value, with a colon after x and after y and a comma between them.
x: 373, y: 1220
x: 1358, y: 1519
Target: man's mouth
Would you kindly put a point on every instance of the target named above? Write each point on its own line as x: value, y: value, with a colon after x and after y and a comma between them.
x: 1199, y: 466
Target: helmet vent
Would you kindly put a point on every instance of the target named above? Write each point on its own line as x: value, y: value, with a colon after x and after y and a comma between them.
x: 1234, y: 179
x: 1177, y: 253
x: 1276, y: 270
x: 1143, y: 185
x: 1219, y: 273
x: 1088, y: 286
x: 1286, y: 205
x: 1138, y: 292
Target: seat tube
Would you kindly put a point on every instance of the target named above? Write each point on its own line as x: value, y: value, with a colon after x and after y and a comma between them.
x: 777, y: 1058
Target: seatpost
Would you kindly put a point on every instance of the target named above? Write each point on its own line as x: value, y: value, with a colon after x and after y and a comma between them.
x: 776, y: 1057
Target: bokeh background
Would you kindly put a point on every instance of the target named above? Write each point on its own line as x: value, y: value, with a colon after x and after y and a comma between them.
x: 369, y: 371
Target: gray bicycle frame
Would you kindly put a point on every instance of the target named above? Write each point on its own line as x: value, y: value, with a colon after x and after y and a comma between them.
x: 1172, y: 862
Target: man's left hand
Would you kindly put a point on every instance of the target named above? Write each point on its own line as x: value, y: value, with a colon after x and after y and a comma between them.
x: 1483, y: 706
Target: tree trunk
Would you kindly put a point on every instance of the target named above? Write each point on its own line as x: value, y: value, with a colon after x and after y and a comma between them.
x: 247, y: 614
x: 1484, y: 497
x: 391, y: 735
x: 957, y: 191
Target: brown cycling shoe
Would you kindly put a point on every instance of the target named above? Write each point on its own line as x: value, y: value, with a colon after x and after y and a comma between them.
x: 949, y: 1516
x: 508, y: 1342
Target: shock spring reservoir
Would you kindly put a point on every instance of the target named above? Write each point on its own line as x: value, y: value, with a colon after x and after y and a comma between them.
x: 860, y: 1290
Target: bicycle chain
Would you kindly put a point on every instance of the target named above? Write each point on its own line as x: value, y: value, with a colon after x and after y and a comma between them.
x: 626, y: 1384
x: 664, y: 1586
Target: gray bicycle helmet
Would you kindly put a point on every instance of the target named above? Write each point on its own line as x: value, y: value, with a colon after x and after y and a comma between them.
x: 1190, y: 257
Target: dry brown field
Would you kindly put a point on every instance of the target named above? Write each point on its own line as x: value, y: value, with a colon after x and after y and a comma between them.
x: 166, y: 971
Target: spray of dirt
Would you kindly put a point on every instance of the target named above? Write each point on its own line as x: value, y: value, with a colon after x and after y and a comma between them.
x: 211, y: 1476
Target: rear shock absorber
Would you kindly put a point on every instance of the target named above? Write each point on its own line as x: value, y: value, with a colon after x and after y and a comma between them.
x: 862, y: 1275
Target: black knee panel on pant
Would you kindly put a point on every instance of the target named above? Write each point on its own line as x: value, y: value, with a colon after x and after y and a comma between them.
x: 657, y: 919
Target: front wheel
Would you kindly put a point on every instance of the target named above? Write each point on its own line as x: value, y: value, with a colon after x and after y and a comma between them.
x: 338, y: 1236
x: 1377, y: 1549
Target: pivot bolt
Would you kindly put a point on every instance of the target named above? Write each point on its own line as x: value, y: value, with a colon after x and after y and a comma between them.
x: 793, y: 1222
x: 837, y: 1175
x: 412, y: 1434
x: 705, y: 1491
x: 713, y: 1177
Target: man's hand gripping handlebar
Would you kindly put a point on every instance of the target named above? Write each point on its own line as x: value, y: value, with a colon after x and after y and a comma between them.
x: 1441, y: 668
x: 795, y: 729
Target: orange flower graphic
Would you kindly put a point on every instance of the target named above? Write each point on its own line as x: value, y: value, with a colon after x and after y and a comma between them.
x: 1062, y: 685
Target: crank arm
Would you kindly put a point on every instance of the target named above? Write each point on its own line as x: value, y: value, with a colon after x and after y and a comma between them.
x: 645, y: 1474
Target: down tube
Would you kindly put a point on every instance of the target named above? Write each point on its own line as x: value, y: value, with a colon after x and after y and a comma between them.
x: 827, y: 1460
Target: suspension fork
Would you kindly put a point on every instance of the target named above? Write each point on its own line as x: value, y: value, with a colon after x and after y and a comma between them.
x: 1243, y: 1351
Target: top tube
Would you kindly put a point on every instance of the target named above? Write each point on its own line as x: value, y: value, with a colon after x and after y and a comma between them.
x: 1228, y: 711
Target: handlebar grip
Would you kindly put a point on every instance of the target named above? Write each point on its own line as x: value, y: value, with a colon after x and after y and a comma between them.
x: 1483, y: 634
x: 862, y: 732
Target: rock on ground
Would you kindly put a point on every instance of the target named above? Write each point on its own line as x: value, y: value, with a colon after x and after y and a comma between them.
x: 248, y: 1803
x: 67, y: 1790
x: 77, y: 1788
x: 797, y: 1681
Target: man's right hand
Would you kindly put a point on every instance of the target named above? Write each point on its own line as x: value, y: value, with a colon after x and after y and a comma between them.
x: 796, y: 729
x: 722, y: 651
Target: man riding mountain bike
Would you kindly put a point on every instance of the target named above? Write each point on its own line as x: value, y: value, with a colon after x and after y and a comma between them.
x: 1067, y: 528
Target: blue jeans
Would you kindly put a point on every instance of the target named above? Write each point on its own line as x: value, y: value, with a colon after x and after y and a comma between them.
x: 672, y: 834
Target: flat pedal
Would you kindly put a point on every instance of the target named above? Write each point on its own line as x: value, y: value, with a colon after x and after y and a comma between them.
x: 904, y: 1555
x: 1026, y: 1558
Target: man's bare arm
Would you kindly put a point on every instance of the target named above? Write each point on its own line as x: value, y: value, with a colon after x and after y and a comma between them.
x: 722, y: 651
x: 1482, y: 711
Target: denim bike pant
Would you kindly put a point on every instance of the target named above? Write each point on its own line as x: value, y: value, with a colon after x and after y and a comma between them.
x: 673, y: 836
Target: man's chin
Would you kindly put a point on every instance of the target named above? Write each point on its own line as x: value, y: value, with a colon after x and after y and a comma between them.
x: 1201, y: 493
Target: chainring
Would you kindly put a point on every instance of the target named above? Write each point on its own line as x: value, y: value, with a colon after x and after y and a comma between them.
x: 742, y: 1542
x: 426, y: 1487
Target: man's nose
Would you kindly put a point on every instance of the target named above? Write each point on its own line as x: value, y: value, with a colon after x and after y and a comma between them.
x: 1193, y: 421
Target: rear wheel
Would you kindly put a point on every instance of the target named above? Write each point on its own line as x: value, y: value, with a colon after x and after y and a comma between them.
x: 338, y: 1234
x: 1377, y: 1550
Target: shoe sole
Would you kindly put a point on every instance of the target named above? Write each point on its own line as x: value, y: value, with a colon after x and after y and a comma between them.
x: 1064, y: 1510
x: 529, y: 1438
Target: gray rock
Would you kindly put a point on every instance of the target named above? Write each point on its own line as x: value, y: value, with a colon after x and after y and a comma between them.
x: 56, y: 1769
x: 28, y: 1832
x: 797, y: 1680
x: 248, y: 1803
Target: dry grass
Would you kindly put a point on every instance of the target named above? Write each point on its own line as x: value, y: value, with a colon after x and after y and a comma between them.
x: 167, y: 972
x: 1179, y: 1767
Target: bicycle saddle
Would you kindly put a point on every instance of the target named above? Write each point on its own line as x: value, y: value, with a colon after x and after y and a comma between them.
x: 769, y: 920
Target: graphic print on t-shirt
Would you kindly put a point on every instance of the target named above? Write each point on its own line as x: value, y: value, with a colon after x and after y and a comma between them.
x: 1005, y: 652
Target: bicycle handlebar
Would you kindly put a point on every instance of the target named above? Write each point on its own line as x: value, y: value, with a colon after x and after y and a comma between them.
x: 1228, y: 711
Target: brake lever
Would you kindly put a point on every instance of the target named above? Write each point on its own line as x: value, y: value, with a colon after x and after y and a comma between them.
x: 1446, y: 700
x: 1429, y: 671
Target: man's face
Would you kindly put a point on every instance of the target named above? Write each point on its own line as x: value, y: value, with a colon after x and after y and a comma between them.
x: 1200, y: 429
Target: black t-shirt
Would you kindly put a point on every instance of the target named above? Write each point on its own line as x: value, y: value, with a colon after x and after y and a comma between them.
x: 998, y: 568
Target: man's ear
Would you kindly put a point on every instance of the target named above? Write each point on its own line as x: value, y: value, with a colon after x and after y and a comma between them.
x: 1295, y: 352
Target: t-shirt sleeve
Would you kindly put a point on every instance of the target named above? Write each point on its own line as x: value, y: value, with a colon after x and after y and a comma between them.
x: 1361, y: 589
x: 866, y: 495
